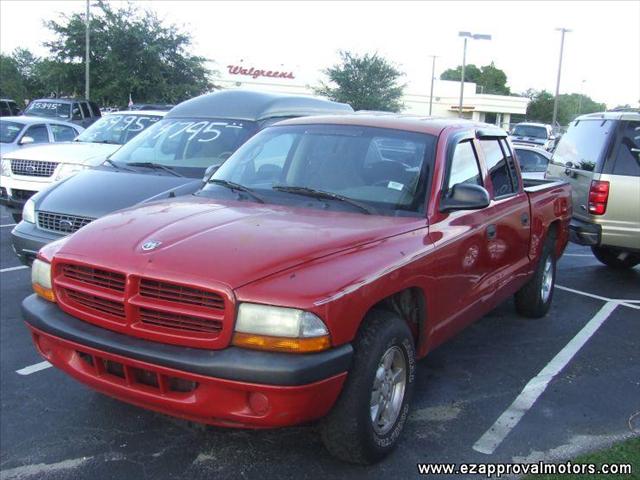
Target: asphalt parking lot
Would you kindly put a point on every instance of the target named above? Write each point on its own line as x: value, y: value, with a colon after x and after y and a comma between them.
x: 507, y: 389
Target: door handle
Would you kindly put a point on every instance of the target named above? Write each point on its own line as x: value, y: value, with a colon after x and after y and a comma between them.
x: 491, y: 232
x: 524, y: 219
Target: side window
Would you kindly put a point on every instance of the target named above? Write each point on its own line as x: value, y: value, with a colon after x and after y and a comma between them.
x: 4, y: 109
x: 628, y: 154
x: 531, y: 161
x: 62, y: 133
x: 464, y: 165
x: 95, y: 110
x: 39, y: 133
x: 498, y: 168
x: 511, y: 164
x: 75, y: 112
x: 85, y: 109
x: 268, y: 163
x: 14, y: 108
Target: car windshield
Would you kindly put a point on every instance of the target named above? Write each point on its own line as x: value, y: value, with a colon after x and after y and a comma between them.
x: 185, y: 145
x: 9, y: 131
x: 49, y: 109
x: 117, y: 129
x: 531, y: 161
x: 368, y: 168
x: 529, y: 131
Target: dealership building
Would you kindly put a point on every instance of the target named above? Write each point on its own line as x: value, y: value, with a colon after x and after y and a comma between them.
x: 495, y: 109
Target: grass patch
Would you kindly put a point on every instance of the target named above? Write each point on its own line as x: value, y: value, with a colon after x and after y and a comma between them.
x: 625, y: 452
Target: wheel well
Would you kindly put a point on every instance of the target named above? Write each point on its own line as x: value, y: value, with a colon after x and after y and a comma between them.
x: 552, y: 235
x: 410, y: 305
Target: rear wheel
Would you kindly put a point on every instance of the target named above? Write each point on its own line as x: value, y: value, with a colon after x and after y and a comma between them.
x: 534, y: 299
x: 616, y: 258
x: 366, y: 422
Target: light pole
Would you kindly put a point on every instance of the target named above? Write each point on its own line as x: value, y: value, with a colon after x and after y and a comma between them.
x: 86, y: 59
x: 580, y: 98
x: 467, y: 35
x: 433, y: 73
x: 555, y: 100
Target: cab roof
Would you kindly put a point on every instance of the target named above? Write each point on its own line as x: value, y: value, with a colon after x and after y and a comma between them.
x: 396, y: 121
x: 255, y: 106
x: 635, y: 116
x: 157, y: 113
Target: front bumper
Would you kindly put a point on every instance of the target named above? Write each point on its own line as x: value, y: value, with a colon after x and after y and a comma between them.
x: 27, y: 239
x: 231, y: 387
x: 584, y: 233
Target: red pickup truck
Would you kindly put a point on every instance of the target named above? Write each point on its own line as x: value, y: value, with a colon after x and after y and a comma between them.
x: 305, y: 279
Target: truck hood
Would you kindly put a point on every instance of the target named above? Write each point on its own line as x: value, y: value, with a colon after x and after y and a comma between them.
x: 95, y: 193
x: 226, y: 244
x: 92, y: 154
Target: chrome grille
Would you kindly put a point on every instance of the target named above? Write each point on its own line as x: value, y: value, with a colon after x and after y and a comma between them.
x: 60, y: 223
x: 33, y: 168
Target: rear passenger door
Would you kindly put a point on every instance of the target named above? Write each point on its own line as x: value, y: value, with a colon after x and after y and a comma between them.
x: 508, y: 217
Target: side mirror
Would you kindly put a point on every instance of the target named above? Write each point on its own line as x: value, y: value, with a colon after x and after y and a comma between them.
x: 26, y: 140
x: 211, y: 169
x: 465, y: 196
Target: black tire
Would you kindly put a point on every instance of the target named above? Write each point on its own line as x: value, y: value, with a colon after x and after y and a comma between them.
x: 17, y: 217
x: 348, y: 432
x: 618, y: 259
x: 530, y: 300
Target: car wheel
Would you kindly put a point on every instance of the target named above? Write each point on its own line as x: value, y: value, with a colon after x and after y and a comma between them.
x: 17, y: 217
x: 616, y: 258
x: 534, y: 299
x: 366, y: 422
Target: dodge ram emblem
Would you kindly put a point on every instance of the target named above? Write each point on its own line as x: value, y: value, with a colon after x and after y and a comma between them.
x: 150, y: 245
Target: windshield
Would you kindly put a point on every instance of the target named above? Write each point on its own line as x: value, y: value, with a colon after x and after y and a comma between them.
x: 529, y: 131
x: 117, y: 129
x: 9, y: 131
x: 188, y: 146
x: 49, y: 109
x: 381, y: 168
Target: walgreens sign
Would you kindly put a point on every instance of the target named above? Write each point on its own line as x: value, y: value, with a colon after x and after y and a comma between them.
x: 258, y: 72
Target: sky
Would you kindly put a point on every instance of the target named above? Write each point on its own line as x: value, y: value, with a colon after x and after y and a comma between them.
x: 601, y: 53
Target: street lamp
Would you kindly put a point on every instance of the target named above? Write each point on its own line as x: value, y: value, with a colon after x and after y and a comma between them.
x: 555, y: 100
x: 580, y: 98
x: 467, y: 35
x: 433, y: 72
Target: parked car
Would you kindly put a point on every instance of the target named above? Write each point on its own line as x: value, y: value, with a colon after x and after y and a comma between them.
x: 305, y: 279
x: 168, y: 159
x: 9, y: 108
x: 537, y: 134
x: 600, y: 157
x: 19, y: 132
x: 151, y: 106
x: 533, y: 161
x: 30, y: 170
x: 76, y: 110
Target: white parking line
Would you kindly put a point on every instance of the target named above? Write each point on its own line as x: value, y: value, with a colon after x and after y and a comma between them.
x: 493, y: 437
x: 34, y: 368
x: 11, y: 269
x: 8, y: 225
x: 577, y: 255
x: 625, y: 303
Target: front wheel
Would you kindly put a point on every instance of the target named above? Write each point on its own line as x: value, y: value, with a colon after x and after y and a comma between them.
x: 616, y: 258
x: 366, y: 422
x: 534, y: 299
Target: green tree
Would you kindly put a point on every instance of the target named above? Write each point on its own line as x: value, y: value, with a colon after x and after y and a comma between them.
x: 488, y: 79
x: 570, y: 105
x: 132, y: 52
x: 366, y: 82
x: 11, y: 81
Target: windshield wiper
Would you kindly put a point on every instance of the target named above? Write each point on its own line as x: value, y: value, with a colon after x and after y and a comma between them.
x: 157, y: 166
x: 313, y: 193
x: 116, y: 166
x: 236, y: 186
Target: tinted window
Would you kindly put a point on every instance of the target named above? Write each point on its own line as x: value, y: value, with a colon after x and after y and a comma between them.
x: 85, y: 110
x: 583, y: 146
x: 9, y: 131
x: 95, y: 110
x: 511, y: 164
x: 627, y: 161
x: 62, y: 133
x: 14, y: 108
x: 4, y: 109
x: 117, y: 129
x: 336, y: 159
x: 498, y: 169
x: 48, y: 109
x: 531, y: 161
x: 76, y: 114
x: 38, y: 133
x: 464, y: 166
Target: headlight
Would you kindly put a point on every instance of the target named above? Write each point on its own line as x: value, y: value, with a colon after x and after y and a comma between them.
x: 41, y: 279
x: 266, y: 327
x: 67, y: 169
x: 29, y: 211
x: 5, y: 167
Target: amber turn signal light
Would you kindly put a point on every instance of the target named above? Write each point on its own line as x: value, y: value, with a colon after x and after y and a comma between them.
x: 281, y: 344
x: 45, y: 293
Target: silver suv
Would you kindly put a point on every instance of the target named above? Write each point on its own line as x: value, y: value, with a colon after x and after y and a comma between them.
x: 600, y: 157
